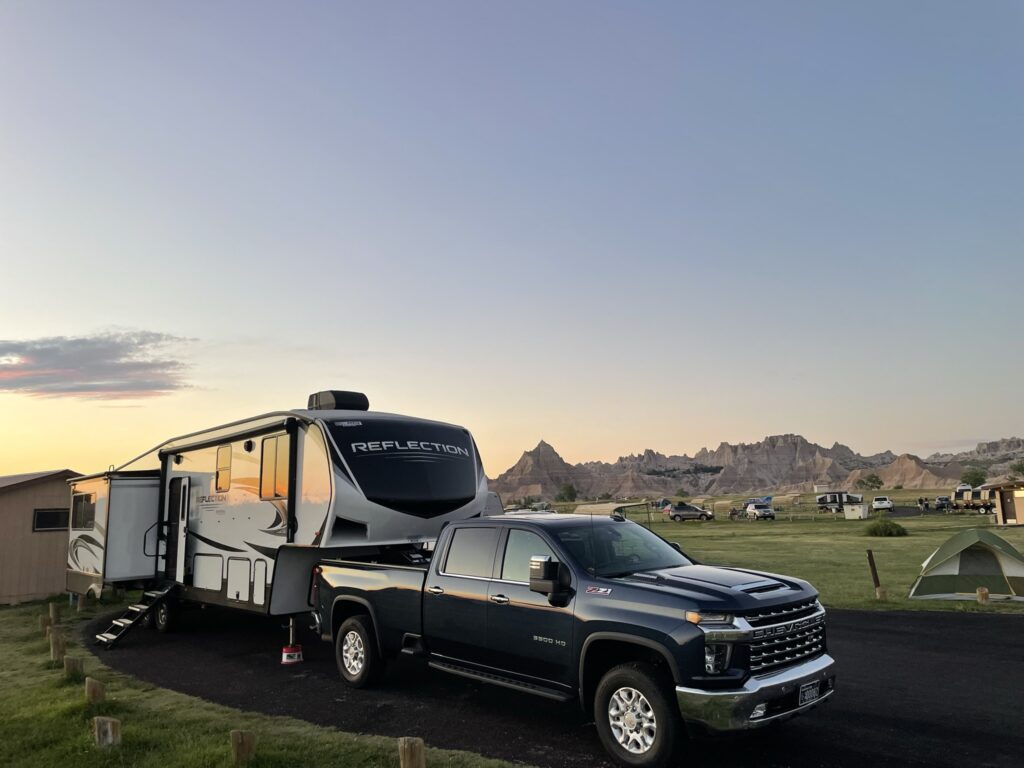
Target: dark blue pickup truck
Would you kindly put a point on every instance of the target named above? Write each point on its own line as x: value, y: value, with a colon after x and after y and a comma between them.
x: 598, y: 609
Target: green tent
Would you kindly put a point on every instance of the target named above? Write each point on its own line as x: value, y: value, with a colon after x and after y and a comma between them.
x: 971, y: 559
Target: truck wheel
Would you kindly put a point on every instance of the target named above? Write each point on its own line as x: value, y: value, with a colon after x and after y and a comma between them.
x: 355, y: 649
x: 703, y: 517
x: 676, y: 518
x: 164, y: 616
x: 637, y: 723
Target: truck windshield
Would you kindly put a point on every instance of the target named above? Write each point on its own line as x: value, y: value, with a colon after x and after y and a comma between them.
x: 421, y: 468
x: 618, y: 548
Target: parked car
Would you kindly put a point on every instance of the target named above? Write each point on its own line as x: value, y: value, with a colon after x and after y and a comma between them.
x: 760, y: 511
x: 943, y: 503
x: 880, y: 503
x: 599, y: 609
x: 685, y: 511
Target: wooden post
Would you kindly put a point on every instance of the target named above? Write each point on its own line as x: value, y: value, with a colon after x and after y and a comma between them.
x: 243, y: 746
x: 44, y: 624
x: 982, y: 593
x: 55, y: 613
x: 875, y: 571
x: 411, y: 752
x: 107, y: 731
x: 881, y: 594
x: 49, y: 630
x: 73, y: 667
x: 56, y: 645
x: 95, y: 691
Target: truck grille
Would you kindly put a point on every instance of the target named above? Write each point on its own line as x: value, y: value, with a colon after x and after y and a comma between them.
x: 784, y: 613
x: 780, y: 645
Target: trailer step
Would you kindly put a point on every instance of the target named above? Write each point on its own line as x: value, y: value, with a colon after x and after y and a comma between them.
x: 133, y: 614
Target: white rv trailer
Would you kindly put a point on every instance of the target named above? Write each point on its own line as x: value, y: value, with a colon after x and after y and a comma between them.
x: 239, y: 514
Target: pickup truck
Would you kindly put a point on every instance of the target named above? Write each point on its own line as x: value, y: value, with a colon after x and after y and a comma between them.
x: 596, y: 609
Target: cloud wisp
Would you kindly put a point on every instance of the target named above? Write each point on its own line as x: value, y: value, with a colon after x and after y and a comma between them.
x: 115, y: 365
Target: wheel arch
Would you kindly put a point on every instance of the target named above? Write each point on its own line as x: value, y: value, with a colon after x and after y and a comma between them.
x: 345, y: 607
x: 603, y: 650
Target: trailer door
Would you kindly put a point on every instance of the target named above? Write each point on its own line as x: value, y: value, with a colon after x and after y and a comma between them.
x: 177, y: 528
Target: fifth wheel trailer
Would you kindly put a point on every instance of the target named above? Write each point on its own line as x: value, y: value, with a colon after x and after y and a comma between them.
x: 239, y: 514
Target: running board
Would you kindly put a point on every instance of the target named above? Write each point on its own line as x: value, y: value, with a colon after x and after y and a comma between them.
x: 504, y: 682
x: 133, y: 615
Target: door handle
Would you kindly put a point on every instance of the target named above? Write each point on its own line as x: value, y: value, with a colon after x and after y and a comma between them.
x: 435, y: 590
x: 499, y: 599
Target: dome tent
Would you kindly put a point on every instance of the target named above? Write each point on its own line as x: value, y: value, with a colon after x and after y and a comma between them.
x: 971, y: 559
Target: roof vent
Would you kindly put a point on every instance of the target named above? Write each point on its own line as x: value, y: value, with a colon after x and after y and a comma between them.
x: 337, y: 400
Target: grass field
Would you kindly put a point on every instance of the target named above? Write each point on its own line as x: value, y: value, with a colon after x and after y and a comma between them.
x: 830, y: 553
x: 45, y: 722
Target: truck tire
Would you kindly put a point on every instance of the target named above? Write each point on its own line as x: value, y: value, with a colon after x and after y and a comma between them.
x: 703, y: 517
x: 164, y: 616
x: 676, y: 518
x: 355, y: 650
x: 637, y: 721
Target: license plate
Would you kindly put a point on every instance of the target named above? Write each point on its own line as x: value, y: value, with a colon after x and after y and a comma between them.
x: 809, y: 692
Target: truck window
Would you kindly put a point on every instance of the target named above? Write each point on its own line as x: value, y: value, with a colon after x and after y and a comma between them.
x: 471, y: 552
x: 520, y: 547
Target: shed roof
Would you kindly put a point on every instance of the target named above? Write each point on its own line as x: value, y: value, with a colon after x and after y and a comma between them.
x: 7, y: 482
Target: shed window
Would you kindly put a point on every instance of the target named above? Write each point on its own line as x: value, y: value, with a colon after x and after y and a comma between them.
x: 224, y: 468
x: 83, y: 511
x: 50, y: 519
x: 274, y: 468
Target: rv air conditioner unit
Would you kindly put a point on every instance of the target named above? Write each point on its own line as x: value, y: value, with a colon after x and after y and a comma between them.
x: 337, y: 400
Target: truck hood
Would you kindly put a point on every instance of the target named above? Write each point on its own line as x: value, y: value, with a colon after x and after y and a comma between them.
x: 721, y: 588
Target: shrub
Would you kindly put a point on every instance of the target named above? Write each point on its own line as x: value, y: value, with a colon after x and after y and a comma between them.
x: 885, y: 527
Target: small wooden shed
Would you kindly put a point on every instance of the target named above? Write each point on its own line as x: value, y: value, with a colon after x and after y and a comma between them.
x: 33, y: 534
x: 1009, y: 499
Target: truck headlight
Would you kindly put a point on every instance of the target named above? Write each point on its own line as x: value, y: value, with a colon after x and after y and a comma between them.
x: 716, y: 658
x: 697, y: 617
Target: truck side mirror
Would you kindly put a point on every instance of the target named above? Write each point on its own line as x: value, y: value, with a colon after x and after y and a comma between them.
x: 543, y: 574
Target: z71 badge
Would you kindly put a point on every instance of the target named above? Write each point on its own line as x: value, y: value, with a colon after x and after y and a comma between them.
x: 599, y: 590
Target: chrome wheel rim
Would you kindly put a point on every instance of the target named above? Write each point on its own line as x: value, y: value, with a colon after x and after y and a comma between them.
x: 353, y: 655
x: 632, y: 720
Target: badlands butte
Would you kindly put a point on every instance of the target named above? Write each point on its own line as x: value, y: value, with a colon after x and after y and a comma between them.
x: 777, y: 463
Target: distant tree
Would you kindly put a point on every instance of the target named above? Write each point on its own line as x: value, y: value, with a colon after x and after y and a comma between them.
x: 897, y: 487
x: 974, y: 476
x: 1017, y: 468
x: 604, y: 496
x: 566, y: 493
x: 870, y: 483
x: 681, y: 493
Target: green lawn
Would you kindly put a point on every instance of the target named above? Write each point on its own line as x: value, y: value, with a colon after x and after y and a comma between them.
x: 830, y: 553
x: 45, y: 722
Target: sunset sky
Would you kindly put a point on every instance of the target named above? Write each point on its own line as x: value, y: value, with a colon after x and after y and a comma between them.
x: 613, y: 226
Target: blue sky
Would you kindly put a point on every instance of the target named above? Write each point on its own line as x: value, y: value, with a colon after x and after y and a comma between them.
x: 612, y: 226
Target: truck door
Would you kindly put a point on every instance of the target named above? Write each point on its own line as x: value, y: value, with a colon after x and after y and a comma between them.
x: 526, y: 635
x: 177, y: 528
x: 455, y: 596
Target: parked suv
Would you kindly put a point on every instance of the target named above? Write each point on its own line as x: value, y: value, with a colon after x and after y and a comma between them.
x: 880, y: 503
x: 943, y: 503
x: 679, y: 512
x: 760, y: 511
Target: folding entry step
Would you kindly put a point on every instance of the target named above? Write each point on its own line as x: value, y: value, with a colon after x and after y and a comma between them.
x: 133, y: 615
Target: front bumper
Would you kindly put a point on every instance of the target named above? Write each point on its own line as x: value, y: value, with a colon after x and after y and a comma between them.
x: 730, y: 710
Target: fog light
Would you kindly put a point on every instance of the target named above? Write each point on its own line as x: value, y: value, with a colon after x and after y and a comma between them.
x: 715, y: 658
x: 758, y: 711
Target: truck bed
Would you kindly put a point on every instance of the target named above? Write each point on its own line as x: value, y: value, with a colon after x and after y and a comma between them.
x: 395, y: 592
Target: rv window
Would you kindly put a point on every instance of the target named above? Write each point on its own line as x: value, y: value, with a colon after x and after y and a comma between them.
x: 472, y: 552
x: 274, y: 468
x: 49, y: 519
x: 224, y: 468
x: 83, y: 511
